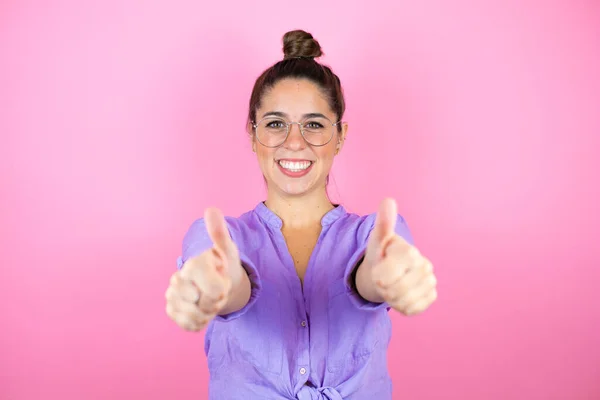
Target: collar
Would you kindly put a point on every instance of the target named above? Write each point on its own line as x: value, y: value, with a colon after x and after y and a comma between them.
x: 273, y: 220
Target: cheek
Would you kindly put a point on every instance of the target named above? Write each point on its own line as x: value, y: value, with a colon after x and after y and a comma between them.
x: 265, y: 157
x: 326, y: 155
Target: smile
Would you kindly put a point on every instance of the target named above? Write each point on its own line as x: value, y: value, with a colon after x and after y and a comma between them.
x: 295, y: 166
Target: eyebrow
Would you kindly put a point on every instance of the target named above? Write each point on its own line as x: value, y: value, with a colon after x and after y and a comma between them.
x: 284, y: 115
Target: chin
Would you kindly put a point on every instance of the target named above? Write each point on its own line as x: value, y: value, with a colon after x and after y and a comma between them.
x: 294, y: 187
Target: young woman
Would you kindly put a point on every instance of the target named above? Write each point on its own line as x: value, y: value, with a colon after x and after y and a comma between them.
x: 295, y: 293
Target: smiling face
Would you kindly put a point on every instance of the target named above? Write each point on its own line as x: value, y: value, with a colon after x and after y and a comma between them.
x: 296, y: 167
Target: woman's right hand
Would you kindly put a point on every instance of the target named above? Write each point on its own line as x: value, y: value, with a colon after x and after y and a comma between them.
x: 201, y: 289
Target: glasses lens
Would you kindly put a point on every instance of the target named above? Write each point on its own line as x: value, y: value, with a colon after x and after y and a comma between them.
x: 271, y: 132
x: 318, y: 131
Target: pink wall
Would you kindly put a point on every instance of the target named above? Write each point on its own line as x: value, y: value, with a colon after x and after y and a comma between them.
x: 122, y: 120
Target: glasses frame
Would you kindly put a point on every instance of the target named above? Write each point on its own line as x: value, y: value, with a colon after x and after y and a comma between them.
x: 288, y: 129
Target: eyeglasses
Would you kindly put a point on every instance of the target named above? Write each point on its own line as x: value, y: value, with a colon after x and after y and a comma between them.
x: 274, y: 131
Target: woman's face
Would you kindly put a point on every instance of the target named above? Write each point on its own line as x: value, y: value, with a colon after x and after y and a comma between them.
x: 296, y: 167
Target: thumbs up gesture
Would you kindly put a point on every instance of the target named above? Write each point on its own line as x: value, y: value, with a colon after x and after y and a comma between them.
x: 399, y: 273
x: 203, y: 286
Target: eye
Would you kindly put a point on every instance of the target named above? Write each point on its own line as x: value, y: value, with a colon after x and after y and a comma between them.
x: 275, y: 124
x: 314, y: 125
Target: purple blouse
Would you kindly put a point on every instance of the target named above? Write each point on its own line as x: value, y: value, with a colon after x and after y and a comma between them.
x: 317, y: 341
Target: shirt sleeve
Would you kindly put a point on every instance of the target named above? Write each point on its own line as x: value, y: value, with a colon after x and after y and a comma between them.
x: 197, y: 240
x: 363, y: 233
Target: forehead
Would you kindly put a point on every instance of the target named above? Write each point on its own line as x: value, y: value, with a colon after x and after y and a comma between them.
x: 295, y: 97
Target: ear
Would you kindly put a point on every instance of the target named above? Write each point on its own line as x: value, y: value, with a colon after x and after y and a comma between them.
x: 341, y: 138
x: 250, y: 131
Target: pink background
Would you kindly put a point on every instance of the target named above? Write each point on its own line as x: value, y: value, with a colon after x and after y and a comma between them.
x: 122, y: 120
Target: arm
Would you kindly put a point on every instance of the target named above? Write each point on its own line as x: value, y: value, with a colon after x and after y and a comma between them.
x: 221, y: 237
x: 239, y: 295
x: 393, y: 271
x: 365, y: 285
x: 358, y: 277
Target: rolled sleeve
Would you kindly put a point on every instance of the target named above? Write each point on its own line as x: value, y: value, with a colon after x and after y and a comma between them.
x: 197, y: 240
x: 363, y: 234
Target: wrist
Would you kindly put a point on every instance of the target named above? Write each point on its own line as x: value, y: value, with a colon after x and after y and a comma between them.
x: 364, y: 284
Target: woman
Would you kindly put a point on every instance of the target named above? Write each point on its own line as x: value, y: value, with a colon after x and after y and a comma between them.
x: 296, y: 292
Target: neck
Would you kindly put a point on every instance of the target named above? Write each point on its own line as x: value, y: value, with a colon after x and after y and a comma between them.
x: 299, y: 211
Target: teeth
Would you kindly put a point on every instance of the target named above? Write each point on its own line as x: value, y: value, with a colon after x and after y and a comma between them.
x: 295, y: 166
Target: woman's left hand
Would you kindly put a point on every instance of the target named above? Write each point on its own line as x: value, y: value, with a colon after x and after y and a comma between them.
x: 401, y: 275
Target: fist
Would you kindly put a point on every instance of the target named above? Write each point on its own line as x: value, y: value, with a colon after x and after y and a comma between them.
x: 401, y: 275
x: 201, y: 288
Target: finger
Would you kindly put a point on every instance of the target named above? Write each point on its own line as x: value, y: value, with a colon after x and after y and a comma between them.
x: 412, y: 287
x: 385, y: 221
x: 423, y: 303
x: 210, y: 306
x: 181, y: 319
x: 388, y: 272
x: 206, y: 277
x: 187, y: 314
x: 398, y: 247
x: 217, y: 229
x: 403, y: 289
x: 384, y: 228
x: 182, y: 288
x: 189, y: 310
x: 399, y: 257
x: 187, y: 323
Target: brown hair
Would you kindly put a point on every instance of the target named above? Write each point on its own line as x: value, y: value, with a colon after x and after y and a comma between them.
x: 300, y: 50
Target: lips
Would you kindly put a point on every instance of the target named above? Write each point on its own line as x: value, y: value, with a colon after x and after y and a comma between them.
x: 295, y: 165
x: 295, y: 168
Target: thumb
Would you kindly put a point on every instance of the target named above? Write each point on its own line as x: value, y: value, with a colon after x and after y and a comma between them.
x: 217, y: 230
x: 385, y: 225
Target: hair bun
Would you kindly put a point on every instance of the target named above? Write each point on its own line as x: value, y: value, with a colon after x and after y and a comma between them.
x: 300, y: 44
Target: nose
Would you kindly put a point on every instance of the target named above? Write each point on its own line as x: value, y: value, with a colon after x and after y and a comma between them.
x: 295, y: 140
